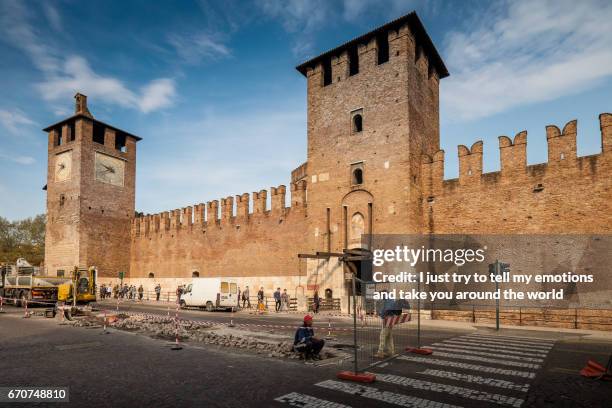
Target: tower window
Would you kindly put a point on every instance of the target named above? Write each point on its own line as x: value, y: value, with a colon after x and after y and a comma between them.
x: 58, y: 141
x: 62, y: 200
x: 382, y: 44
x: 327, y: 72
x: 98, y: 133
x: 72, y: 131
x: 357, y: 123
x: 353, y: 56
x: 357, y: 176
x: 151, y: 275
x: 120, y: 139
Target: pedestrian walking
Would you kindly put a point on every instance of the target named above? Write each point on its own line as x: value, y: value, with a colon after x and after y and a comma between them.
x: 157, y: 292
x: 316, y: 302
x: 245, y: 297
x: 179, y: 292
x: 277, y: 300
x: 285, y: 300
x: 140, y: 292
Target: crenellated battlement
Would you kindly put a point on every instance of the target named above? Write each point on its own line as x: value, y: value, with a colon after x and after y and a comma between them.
x: 221, y: 212
x: 562, y: 157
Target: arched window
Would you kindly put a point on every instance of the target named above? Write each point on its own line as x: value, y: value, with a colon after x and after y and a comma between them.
x: 357, y: 176
x: 195, y: 274
x: 151, y: 275
x: 357, y: 227
x: 357, y: 123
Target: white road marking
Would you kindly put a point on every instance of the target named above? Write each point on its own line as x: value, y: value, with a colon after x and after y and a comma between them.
x: 463, y: 392
x: 461, y: 345
x: 511, y: 342
x: 459, y: 349
x: 476, y: 367
x: 532, y: 339
x: 487, y: 360
x: 380, y: 395
x: 476, y: 379
x: 296, y: 399
x: 494, y: 345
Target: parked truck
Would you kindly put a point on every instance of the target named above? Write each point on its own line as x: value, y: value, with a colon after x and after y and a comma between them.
x: 21, y: 282
x: 210, y: 293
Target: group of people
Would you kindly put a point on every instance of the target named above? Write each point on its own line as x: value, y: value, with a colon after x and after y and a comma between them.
x: 121, y: 292
x: 281, y: 299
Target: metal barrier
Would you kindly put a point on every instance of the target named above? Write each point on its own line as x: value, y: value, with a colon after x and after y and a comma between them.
x: 380, y: 328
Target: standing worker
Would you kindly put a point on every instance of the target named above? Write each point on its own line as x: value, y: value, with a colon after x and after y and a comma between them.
x: 260, y: 300
x: 390, y: 308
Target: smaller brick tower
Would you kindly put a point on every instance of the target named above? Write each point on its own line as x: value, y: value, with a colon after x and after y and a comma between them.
x: 91, y: 178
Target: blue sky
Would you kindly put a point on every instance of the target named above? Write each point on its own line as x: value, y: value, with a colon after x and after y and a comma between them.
x: 211, y: 86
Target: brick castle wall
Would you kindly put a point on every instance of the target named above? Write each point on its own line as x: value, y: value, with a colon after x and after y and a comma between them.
x: 568, y: 194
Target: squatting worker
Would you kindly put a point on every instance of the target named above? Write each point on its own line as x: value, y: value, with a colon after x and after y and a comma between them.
x: 390, y: 308
x: 305, y: 342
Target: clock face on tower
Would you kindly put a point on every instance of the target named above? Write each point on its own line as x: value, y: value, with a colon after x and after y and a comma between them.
x: 63, y: 166
x: 109, y: 169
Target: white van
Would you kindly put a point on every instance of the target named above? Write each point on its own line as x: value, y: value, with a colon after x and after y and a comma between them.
x: 211, y: 293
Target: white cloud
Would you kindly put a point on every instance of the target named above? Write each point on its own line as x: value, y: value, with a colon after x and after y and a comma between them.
x: 212, y: 155
x: 196, y: 47
x: 24, y: 160
x: 77, y: 75
x: 53, y: 16
x: 12, y: 120
x: 64, y: 77
x: 158, y: 94
x: 299, y: 16
x: 526, y: 52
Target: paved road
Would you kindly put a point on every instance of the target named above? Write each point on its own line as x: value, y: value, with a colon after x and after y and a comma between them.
x: 475, y: 368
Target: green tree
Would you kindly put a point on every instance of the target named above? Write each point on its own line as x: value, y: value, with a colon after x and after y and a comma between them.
x: 22, y: 239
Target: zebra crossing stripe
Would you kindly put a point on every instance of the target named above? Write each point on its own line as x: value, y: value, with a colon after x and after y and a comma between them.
x: 475, y: 367
x: 384, y: 396
x: 459, y: 349
x: 450, y: 390
x: 476, y: 379
x: 494, y: 345
x: 531, y: 339
x: 511, y: 342
x: 507, y: 352
x: 506, y: 341
x: 488, y: 360
x: 296, y: 399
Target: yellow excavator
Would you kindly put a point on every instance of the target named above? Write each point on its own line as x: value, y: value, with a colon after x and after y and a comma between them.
x: 74, y: 297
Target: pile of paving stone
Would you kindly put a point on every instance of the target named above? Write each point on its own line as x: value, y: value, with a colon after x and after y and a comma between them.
x: 204, y: 332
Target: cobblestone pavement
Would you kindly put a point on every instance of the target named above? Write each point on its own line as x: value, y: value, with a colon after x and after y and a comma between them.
x: 468, y: 368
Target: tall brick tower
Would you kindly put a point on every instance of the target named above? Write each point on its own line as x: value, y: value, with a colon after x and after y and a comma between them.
x: 90, y: 194
x: 373, y: 110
